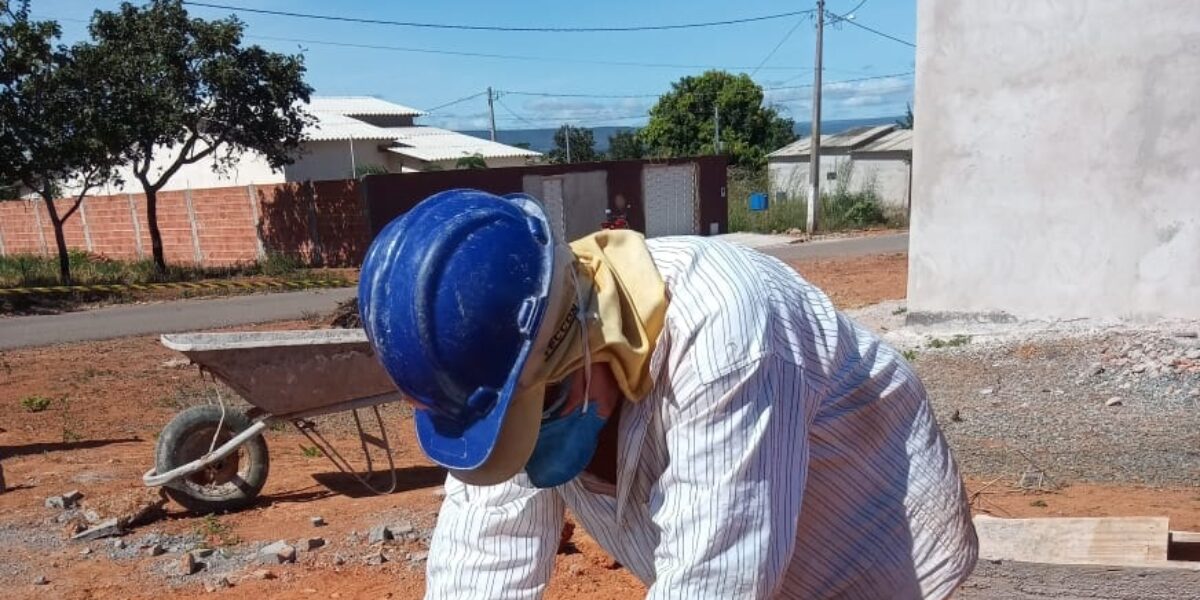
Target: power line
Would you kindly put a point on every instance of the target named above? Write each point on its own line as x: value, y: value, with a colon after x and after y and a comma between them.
x: 574, y: 95
x: 764, y: 88
x: 840, y: 19
x: 512, y: 112
x: 777, y: 46
x: 871, y: 78
x: 526, y: 57
x: 283, y: 13
x: 453, y: 102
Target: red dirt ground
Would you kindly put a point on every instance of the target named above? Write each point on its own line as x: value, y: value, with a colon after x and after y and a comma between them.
x: 109, y: 400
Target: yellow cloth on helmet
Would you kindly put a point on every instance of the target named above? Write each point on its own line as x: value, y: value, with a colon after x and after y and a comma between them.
x: 626, y: 305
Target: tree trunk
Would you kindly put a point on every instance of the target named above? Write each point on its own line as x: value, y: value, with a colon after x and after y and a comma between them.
x: 156, y: 246
x: 60, y: 240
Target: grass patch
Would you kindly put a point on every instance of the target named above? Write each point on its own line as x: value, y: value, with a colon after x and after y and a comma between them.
x: 909, y: 355
x: 1039, y: 504
x: 899, y: 311
x: 35, y: 404
x: 214, y: 532
x: 842, y: 208
x: 311, y: 451
x: 26, y: 270
x: 954, y: 342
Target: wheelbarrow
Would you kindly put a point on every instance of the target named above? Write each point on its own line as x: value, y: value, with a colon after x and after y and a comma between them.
x: 213, y: 458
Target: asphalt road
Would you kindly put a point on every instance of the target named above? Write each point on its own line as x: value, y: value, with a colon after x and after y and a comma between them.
x: 192, y: 315
x: 841, y: 247
x: 165, y: 317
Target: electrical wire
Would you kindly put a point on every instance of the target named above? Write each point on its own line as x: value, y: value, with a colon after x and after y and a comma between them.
x: 512, y: 112
x: 284, y: 13
x: 840, y: 19
x: 526, y: 57
x: 571, y: 95
x: 786, y: 36
x: 808, y: 85
x: 453, y: 102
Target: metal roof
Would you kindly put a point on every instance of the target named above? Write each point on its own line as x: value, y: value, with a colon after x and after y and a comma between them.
x: 360, y: 105
x: 434, y: 144
x: 899, y: 140
x: 845, y: 141
x: 331, y: 126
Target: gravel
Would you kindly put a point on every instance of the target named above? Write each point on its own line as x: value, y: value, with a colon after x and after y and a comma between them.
x: 1108, y: 407
x: 1030, y: 581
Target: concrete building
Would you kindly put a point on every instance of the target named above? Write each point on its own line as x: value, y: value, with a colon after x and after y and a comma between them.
x: 879, y: 158
x: 1058, y: 160
x: 351, y: 134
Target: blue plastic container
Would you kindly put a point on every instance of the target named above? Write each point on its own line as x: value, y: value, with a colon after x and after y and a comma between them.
x: 758, y: 201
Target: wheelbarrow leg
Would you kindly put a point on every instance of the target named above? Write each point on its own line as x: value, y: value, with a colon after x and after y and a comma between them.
x: 310, y: 431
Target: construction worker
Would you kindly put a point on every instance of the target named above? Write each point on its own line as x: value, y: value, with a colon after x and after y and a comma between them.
x: 704, y: 412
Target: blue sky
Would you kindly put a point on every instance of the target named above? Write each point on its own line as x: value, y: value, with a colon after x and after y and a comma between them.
x: 564, y: 63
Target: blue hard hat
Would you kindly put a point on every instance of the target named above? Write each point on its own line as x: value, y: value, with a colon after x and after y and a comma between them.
x: 452, y: 295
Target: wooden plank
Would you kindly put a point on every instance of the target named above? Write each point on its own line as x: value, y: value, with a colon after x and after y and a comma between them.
x: 1130, y: 541
x: 1185, y: 537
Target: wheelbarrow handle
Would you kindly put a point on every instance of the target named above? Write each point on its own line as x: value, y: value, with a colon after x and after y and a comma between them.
x: 152, y: 479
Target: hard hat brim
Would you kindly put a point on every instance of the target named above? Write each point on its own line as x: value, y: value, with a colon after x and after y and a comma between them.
x: 496, y: 447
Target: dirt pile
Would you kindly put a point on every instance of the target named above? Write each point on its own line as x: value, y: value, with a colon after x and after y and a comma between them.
x: 345, y: 316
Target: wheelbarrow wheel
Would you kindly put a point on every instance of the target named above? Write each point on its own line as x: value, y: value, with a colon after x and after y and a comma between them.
x: 231, y: 483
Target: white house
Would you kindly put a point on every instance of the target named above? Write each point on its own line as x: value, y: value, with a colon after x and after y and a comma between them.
x: 860, y: 158
x: 351, y: 135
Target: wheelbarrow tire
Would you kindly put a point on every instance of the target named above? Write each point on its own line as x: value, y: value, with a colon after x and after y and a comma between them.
x: 232, y: 483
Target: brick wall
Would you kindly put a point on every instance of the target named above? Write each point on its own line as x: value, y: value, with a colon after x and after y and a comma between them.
x: 322, y: 223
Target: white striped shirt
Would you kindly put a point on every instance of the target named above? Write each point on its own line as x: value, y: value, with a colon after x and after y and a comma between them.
x: 784, y: 452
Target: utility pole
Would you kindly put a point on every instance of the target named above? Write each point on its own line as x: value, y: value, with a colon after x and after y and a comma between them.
x: 717, y: 128
x: 492, y: 112
x: 567, y: 136
x: 814, y: 142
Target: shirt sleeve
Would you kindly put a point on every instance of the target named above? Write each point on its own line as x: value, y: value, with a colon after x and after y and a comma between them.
x: 494, y: 541
x: 727, y: 504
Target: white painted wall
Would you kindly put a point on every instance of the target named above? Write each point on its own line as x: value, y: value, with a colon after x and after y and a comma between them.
x: 889, y: 177
x: 1062, y: 180
x: 324, y: 160
x: 250, y: 168
x: 791, y: 176
x: 889, y: 174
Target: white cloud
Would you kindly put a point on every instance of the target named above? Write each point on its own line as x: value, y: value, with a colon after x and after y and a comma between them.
x: 848, y: 99
x: 842, y: 100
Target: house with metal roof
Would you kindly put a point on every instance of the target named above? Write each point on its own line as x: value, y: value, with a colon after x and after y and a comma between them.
x: 349, y: 136
x: 877, y: 157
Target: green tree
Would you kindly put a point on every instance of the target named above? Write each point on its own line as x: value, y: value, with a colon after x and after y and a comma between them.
x: 626, y: 145
x: 474, y: 161
x: 906, y: 122
x: 682, y: 122
x: 182, y: 89
x: 582, y: 146
x: 53, y: 137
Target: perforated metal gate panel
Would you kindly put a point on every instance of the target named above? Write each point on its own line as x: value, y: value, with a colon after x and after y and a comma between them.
x: 552, y: 197
x: 669, y: 197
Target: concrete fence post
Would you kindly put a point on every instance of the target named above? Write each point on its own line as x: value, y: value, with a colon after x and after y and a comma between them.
x: 191, y: 212
x: 260, y: 248
x: 37, y: 213
x: 137, y: 227
x: 2, y: 250
x: 87, y: 231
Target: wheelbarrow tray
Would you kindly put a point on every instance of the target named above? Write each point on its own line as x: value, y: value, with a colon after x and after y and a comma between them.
x: 287, y: 373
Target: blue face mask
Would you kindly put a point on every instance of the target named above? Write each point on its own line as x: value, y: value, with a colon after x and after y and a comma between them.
x: 565, y: 446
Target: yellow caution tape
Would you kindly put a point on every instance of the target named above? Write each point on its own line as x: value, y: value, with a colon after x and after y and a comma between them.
x: 183, y: 285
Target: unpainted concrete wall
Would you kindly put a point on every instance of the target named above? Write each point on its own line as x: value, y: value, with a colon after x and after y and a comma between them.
x: 1062, y: 178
